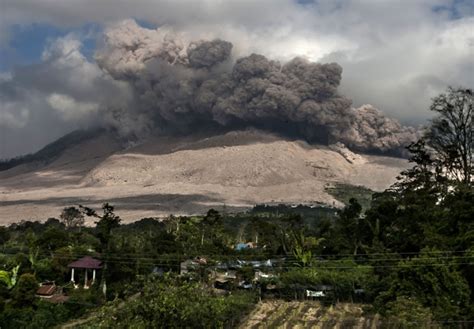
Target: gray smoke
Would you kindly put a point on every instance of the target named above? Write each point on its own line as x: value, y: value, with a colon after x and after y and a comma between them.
x: 208, y: 53
x: 180, y: 85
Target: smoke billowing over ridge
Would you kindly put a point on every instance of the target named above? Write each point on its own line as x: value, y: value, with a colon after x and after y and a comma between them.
x: 146, y: 81
x: 179, y: 84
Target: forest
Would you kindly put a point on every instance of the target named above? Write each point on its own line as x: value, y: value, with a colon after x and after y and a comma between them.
x: 406, y: 253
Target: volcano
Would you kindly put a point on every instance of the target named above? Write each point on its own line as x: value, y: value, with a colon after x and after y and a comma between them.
x: 184, y: 174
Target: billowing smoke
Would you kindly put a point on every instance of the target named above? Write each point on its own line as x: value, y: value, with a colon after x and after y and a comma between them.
x: 181, y: 85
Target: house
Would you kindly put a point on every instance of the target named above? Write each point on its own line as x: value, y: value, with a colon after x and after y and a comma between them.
x: 191, y: 264
x: 47, y: 290
x: 224, y: 280
x: 261, y: 275
x: 50, y: 292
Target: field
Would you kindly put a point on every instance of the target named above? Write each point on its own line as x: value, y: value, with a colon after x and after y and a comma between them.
x: 308, y: 314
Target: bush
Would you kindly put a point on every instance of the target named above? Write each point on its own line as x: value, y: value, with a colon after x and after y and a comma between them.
x: 408, y: 313
x: 168, y: 303
x: 25, y: 290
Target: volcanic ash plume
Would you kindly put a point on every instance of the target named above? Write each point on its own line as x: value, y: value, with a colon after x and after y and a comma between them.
x: 180, y: 85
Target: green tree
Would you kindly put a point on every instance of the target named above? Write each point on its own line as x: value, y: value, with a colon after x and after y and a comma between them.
x: 106, y: 223
x: 433, y: 279
x: 24, y: 292
x: 351, y: 228
x: 72, y: 217
x: 211, y: 223
x: 408, y: 313
x: 9, y: 278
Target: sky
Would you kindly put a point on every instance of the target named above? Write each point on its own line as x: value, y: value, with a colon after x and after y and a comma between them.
x: 395, y: 54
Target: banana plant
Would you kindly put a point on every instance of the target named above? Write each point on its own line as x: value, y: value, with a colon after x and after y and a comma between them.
x: 33, y: 258
x: 303, y: 246
x: 303, y: 256
x: 9, y: 277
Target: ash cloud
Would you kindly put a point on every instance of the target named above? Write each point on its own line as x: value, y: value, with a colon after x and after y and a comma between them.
x: 146, y: 81
x: 180, y: 84
x: 205, y: 54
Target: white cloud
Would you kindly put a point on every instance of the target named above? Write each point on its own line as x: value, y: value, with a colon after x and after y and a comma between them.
x: 69, y: 108
x: 43, y: 101
x: 11, y: 115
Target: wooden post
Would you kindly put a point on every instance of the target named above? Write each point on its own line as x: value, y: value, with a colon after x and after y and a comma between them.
x: 93, y: 276
x: 72, y: 275
x: 85, y: 279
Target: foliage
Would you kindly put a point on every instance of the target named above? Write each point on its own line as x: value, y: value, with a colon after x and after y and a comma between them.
x: 303, y: 248
x: 346, y: 192
x: 444, y: 156
x: 24, y: 292
x: 432, y: 280
x: 343, y: 276
x: 166, y: 303
x: 9, y: 277
x: 72, y: 217
x: 106, y: 223
x: 450, y: 137
x: 408, y: 313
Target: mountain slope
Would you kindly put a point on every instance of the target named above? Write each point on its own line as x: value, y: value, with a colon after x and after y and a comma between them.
x: 189, y: 175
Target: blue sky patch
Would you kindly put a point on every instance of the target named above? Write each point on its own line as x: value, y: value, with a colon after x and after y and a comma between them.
x: 27, y: 43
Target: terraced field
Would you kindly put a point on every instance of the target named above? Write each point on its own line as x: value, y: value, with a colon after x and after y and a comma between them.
x: 308, y: 314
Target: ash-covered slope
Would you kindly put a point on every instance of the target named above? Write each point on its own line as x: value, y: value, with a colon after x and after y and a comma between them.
x: 189, y: 175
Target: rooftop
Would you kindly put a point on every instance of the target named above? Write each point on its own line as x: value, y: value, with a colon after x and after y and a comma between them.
x: 46, y: 290
x: 86, y: 262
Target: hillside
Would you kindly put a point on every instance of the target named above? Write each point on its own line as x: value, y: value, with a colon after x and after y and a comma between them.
x: 188, y: 175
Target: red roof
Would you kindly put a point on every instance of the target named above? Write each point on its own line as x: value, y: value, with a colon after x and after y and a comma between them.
x: 46, y: 290
x: 86, y: 262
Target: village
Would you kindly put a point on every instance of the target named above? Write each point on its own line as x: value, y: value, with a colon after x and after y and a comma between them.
x: 222, y: 278
x: 243, y: 258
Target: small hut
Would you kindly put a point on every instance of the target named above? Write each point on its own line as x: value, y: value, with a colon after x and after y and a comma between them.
x: 47, y: 290
x: 50, y: 292
x: 86, y: 263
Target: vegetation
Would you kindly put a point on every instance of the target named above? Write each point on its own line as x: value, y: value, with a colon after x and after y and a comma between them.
x: 168, y: 303
x: 346, y: 192
x: 408, y: 257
